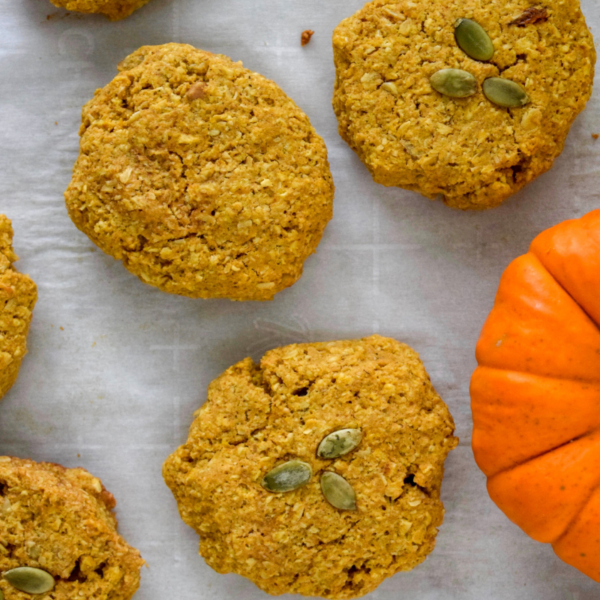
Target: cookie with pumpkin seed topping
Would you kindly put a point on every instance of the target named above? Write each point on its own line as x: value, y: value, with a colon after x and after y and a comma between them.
x: 272, y: 502
x: 470, y: 152
x: 203, y: 177
x: 58, y: 532
x: 113, y: 9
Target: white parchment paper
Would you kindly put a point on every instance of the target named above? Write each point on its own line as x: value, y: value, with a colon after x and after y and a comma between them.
x: 116, y: 368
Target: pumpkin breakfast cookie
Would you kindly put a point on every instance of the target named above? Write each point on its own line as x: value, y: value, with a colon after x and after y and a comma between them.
x: 113, y: 9
x: 461, y: 99
x: 203, y: 177
x: 18, y: 295
x: 317, y: 472
x: 58, y: 534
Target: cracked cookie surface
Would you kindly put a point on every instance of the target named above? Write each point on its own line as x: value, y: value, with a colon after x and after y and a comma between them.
x: 60, y: 520
x: 203, y: 177
x: 259, y: 416
x: 468, y: 151
x: 18, y: 295
x: 113, y: 9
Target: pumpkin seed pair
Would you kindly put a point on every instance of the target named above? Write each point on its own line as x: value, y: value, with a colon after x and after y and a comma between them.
x: 461, y: 84
x: 29, y: 580
x: 295, y: 473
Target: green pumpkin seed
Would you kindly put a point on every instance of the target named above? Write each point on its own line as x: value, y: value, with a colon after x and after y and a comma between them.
x: 473, y: 40
x: 338, y: 443
x: 504, y: 92
x: 1, y: 595
x: 287, y: 477
x: 454, y: 83
x: 338, y: 491
x: 30, y: 580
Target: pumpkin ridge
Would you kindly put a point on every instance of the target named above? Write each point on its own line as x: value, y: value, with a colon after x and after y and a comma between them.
x: 574, y: 519
x: 530, y: 303
x: 527, y: 414
x: 579, y: 546
x: 540, y: 375
x: 542, y: 454
x: 564, y: 289
x: 570, y: 251
x: 521, y: 490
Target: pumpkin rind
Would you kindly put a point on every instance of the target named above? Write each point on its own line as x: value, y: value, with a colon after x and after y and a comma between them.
x: 580, y: 546
x: 545, y: 494
x: 536, y: 327
x: 536, y: 392
x: 574, y: 259
x: 527, y: 415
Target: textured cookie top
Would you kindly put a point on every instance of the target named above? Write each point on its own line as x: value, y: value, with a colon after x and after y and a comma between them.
x: 60, y: 520
x: 468, y: 150
x: 18, y: 295
x: 258, y: 417
x: 113, y: 9
x: 202, y: 176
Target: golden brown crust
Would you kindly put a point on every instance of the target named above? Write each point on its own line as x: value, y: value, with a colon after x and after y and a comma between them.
x: 113, y: 9
x: 60, y: 520
x: 469, y: 151
x: 18, y: 295
x: 257, y: 417
x: 202, y: 176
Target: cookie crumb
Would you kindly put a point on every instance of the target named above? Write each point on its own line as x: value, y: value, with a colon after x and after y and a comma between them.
x: 197, y: 91
x: 531, y: 16
x: 595, y: 135
x: 306, y: 36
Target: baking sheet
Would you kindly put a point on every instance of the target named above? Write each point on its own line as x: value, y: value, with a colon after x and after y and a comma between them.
x: 116, y: 368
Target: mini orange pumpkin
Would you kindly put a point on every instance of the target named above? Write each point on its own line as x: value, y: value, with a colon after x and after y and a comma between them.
x: 536, y: 393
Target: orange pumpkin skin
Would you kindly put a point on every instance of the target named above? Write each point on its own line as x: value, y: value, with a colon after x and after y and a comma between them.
x: 535, y: 395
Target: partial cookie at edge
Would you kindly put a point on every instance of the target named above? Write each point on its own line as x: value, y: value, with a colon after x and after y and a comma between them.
x: 18, y: 295
x: 113, y: 9
x: 45, y: 506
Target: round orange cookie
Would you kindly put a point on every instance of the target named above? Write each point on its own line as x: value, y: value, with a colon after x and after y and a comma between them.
x: 203, y: 177
x: 469, y: 152
x: 259, y: 417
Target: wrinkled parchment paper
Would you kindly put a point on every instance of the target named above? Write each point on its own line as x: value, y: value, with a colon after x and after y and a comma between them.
x: 116, y: 368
